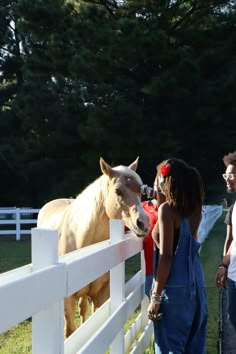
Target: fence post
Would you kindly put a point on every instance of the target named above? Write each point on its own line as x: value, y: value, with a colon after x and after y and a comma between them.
x: 18, y: 226
x: 47, y: 325
x: 145, y: 301
x: 117, y: 285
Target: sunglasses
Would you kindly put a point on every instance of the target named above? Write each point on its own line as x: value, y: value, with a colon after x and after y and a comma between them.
x: 229, y: 176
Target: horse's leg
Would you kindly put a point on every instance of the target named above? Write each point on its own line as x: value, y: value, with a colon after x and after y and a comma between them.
x: 100, y: 290
x: 69, y: 312
x: 83, y: 307
x: 101, y: 297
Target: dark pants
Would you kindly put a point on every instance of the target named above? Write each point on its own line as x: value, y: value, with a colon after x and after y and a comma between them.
x: 231, y: 292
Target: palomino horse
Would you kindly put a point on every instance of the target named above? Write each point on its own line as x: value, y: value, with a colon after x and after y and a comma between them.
x: 85, y: 220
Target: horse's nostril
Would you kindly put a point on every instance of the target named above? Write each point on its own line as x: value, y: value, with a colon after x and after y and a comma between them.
x: 140, y: 224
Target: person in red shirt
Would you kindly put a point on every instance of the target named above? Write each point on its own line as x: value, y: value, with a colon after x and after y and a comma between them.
x: 150, y: 207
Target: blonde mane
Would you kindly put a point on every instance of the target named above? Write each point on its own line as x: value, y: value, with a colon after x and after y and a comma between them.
x: 89, y: 202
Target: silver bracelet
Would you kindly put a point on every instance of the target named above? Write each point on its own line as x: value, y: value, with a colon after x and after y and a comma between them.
x: 155, y: 298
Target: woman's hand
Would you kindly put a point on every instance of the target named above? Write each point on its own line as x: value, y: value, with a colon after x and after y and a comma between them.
x: 153, y: 312
x: 154, y: 306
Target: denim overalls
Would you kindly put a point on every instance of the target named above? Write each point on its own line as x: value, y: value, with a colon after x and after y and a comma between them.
x: 182, y: 328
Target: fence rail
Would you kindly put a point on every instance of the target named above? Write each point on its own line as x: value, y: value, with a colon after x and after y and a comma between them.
x: 23, y: 220
x: 37, y: 290
x: 210, y: 214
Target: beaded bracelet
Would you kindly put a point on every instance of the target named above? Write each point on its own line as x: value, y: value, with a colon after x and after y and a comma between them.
x: 222, y: 265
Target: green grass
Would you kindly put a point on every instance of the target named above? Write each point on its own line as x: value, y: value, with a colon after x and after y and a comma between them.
x: 17, y: 253
x: 17, y: 340
x: 14, y: 253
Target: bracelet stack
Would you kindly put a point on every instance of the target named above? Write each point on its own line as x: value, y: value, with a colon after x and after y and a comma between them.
x: 155, y: 298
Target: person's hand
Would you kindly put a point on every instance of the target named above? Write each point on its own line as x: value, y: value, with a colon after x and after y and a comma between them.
x: 153, y: 314
x: 221, y: 278
x: 154, y: 306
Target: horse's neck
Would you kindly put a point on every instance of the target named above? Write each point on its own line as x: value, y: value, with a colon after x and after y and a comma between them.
x: 92, y: 199
x: 89, y: 208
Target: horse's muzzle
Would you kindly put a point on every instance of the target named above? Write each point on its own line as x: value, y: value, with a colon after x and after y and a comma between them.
x: 141, y: 229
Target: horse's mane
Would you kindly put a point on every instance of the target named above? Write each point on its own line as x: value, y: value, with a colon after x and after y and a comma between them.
x: 88, y: 203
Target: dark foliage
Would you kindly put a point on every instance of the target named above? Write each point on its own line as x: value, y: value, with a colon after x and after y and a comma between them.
x: 85, y: 79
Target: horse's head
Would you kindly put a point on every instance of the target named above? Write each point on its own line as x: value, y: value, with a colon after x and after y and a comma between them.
x: 123, y: 200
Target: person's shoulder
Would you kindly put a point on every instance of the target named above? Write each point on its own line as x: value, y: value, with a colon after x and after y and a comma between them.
x: 165, y: 210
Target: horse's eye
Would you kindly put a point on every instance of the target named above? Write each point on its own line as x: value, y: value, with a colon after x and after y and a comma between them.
x: 118, y: 191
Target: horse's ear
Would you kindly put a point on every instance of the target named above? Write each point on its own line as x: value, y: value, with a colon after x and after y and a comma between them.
x: 106, y: 169
x: 133, y: 166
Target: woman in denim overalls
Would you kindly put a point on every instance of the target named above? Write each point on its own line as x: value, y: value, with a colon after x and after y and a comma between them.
x: 178, y: 305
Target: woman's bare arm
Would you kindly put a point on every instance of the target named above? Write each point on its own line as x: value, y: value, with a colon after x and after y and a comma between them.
x: 166, y: 238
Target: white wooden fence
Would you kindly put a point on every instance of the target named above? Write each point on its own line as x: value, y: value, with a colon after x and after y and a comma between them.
x: 24, y: 218
x: 210, y: 214
x: 19, y: 218
x: 37, y: 290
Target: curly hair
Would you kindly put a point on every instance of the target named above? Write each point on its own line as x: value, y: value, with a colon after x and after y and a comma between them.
x: 183, y: 186
x: 230, y: 159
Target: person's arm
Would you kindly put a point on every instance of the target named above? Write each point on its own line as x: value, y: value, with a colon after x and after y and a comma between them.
x: 227, y: 247
x: 166, y: 239
x: 221, y: 274
x: 166, y: 228
x: 229, y: 234
x: 155, y: 234
x: 228, y: 240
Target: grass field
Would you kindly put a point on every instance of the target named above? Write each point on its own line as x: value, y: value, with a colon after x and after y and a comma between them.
x: 17, y: 253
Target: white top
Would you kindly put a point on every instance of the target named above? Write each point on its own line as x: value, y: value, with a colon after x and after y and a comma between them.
x: 232, y: 265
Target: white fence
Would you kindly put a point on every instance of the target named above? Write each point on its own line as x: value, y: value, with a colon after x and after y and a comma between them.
x: 24, y: 218
x: 210, y: 214
x: 19, y: 218
x: 37, y: 290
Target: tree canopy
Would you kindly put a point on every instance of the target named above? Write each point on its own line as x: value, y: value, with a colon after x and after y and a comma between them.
x: 117, y: 79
